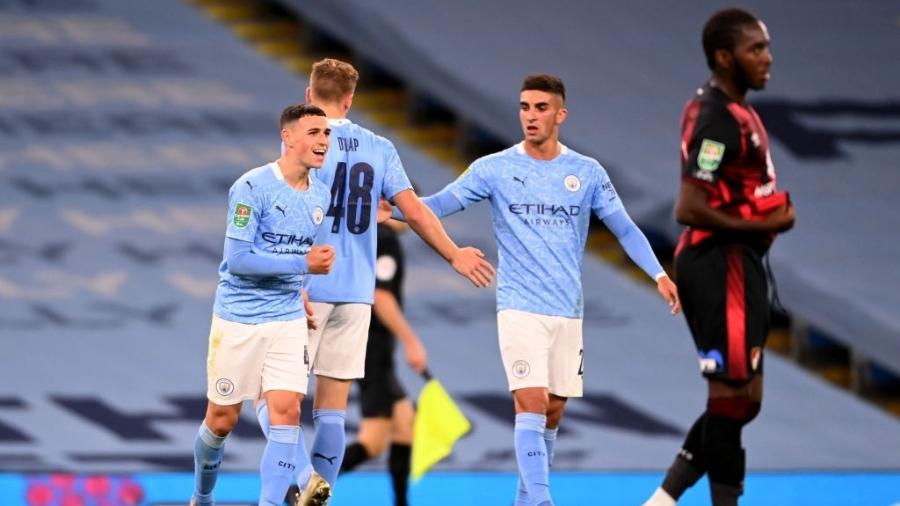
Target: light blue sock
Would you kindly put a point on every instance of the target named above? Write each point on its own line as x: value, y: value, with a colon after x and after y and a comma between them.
x: 208, y: 451
x: 302, y: 455
x: 328, y: 445
x: 550, y: 442
x: 531, y: 455
x: 304, y: 466
x: 277, y: 467
x: 521, y: 493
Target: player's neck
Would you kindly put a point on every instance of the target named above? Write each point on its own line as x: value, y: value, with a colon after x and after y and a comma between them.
x: 729, y: 87
x: 333, y: 111
x: 295, y: 174
x: 547, y: 150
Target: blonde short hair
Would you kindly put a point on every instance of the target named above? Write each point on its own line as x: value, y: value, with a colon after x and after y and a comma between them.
x: 331, y: 80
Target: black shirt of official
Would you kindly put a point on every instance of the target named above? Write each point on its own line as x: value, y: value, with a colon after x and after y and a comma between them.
x: 389, y: 270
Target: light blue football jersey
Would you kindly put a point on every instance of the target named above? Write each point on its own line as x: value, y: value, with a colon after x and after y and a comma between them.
x: 278, y: 220
x: 541, y: 211
x: 360, y: 167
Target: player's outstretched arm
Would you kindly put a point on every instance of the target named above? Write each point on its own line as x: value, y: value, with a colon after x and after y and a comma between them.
x: 468, y: 262
x: 241, y: 260
x: 442, y: 204
x: 635, y: 244
x: 692, y: 209
x: 389, y: 312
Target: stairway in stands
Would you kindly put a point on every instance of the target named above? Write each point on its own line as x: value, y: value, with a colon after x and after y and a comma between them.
x: 421, y: 121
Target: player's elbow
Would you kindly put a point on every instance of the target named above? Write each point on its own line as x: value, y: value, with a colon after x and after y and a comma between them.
x: 416, y: 215
x: 236, y: 266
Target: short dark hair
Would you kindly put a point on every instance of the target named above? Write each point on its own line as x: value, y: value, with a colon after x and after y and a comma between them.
x: 545, y: 82
x: 722, y: 30
x: 294, y: 112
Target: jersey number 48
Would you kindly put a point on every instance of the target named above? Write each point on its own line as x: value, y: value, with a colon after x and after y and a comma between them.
x: 358, y: 204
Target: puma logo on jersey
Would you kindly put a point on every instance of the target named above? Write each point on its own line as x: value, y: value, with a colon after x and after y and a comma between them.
x: 280, y: 209
x: 520, y: 180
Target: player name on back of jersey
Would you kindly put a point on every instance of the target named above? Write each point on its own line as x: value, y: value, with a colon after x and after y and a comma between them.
x: 348, y: 143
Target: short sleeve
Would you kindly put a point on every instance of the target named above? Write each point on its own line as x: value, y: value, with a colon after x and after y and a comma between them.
x: 604, y: 200
x: 243, y: 212
x: 472, y: 185
x: 395, y: 178
x: 715, y: 140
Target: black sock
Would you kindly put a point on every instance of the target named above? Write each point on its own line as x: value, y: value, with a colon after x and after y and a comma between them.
x: 399, y: 463
x: 724, y: 458
x: 354, y: 455
x: 690, y: 464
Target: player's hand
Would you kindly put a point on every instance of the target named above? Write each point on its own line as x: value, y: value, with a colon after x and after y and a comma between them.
x: 320, y: 259
x: 416, y: 356
x: 310, y: 315
x: 470, y: 263
x: 385, y: 210
x: 781, y: 219
x: 669, y: 293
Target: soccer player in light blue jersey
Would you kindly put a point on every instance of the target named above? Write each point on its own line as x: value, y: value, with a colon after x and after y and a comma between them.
x: 360, y: 168
x: 542, y: 195
x: 258, y: 340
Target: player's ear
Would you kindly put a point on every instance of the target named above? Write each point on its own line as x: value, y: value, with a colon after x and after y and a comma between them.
x: 308, y: 95
x: 724, y: 59
x: 286, y: 137
x: 561, y: 115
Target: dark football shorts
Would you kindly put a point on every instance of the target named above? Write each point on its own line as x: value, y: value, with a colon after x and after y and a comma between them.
x: 380, y: 388
x: 724, y: 295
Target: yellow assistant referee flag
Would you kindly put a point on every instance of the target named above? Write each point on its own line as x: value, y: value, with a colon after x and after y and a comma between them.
x: 439, y: 424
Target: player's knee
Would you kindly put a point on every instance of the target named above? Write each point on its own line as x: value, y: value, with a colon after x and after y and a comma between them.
x: 221, y: 422
x: 374, y: 447
x: 284, y: 414
x: 531, y: 400
x: 555, y: 412
x: 403, y: 415
x: 740, y: 408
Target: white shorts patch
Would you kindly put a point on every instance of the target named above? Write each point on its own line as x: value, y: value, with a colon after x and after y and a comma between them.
x: 337, y: 348
x: 245, y: 360
x: 542, y: 351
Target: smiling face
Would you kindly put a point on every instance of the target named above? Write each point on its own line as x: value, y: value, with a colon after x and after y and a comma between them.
x: 541, y: 113
x: 308, y: 137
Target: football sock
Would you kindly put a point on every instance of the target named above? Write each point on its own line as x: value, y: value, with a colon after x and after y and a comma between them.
x: 690, y: 465
x: 531, y: 455
x: 208, y: 451
x: 399, y: 463
x: 328, y: 445
x: 354, y: 455
x: 278, y: 464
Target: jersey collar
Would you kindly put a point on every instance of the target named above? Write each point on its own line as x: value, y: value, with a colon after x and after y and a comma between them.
x: 338, y: 121
x: 520, y: 148
x: 277, y: 172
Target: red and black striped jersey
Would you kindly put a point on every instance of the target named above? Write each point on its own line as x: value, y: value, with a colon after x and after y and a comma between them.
x: 725, y: 149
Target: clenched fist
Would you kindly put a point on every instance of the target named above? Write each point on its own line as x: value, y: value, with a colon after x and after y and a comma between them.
x: 320, y: 258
